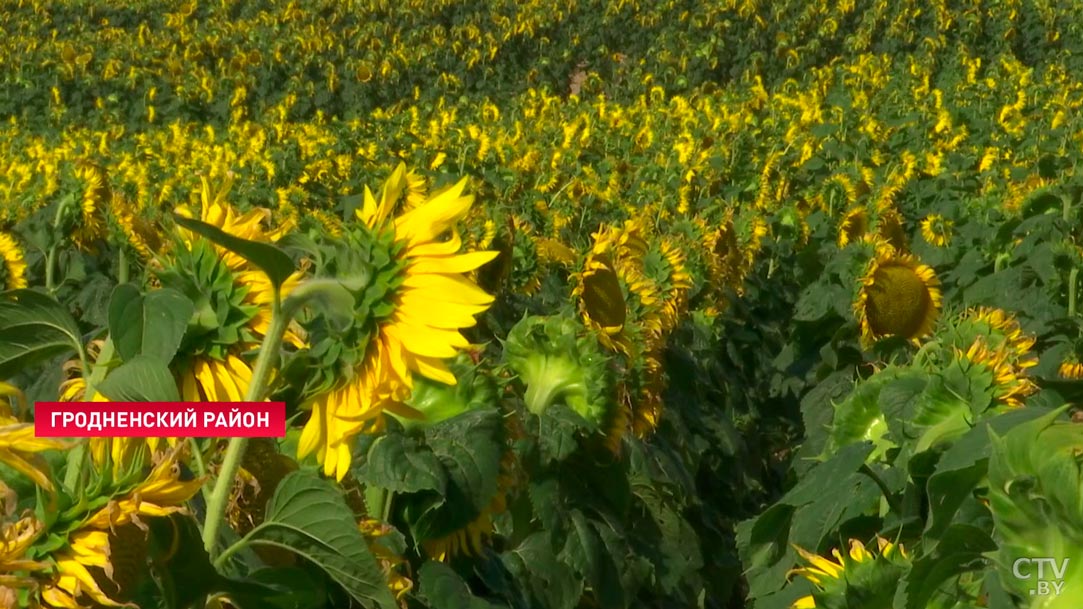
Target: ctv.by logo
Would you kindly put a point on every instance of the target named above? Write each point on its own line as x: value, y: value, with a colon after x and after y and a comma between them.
x: 1042, y: 587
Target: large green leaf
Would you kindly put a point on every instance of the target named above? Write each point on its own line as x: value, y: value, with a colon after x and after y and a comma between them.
x: 152, y: 325
x: 551, y: 582
x: 805, y: 516
x: 274, y: 261
x: 960, y: 550
x: 586, y: 552
x: 34, y: 327
x: 401, y: 464
x: 309, y: 516
x: 440, y: 587
x: 469, y: 448
x: 142, y: 379
x: 962, y: 467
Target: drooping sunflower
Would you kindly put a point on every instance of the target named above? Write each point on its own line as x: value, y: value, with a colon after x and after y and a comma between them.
x: 141, y: 233
x: 998, y: 329
x: 632, y: 290
x: 425, y: 298
x: 883, y: 221
x: 936, y: 230
x: 19, y: 448
x: 860, y: 574
x: 108, y: 548
x: 97, y: 196
x: 897, y: 295
x: 15, y: 538
x: 14, y: 268
x: 1071, y: 368
x: 1007, y: 382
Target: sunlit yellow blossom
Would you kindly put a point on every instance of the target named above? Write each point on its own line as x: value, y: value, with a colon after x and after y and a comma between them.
x: 434, y: 301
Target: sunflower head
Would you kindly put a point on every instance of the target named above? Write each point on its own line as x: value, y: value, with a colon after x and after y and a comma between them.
x: 13, y: 271
x: 1071, y: 368
x: 412, y: 297
x: 992, y: 369
x: 896, y: 296
x: 95, y: 200
x: 937, y: 230
x: 997, y: 329
x: 853, y: 226
x: 860, y: 579
x: 860, y: 223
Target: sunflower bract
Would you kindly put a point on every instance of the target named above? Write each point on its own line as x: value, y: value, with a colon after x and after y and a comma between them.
x: 560, y: 363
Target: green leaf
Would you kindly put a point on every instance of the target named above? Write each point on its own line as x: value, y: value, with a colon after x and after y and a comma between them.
x: 585, y: 551
x: 440, y: 587
x: 274, y: 261
x: 152, y: 325
x: 551, y: 582
x: 278, y: 588
x: 309, y: 516
x: 959, y: 551
x: 469, y: 447
x: 401, y: 464
x: 34, y: 327
x: 963, y: 466
x: 183, y: 569
x: 142, y: 379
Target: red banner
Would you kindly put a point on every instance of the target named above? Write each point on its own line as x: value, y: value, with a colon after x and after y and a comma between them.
x: 160, y: 419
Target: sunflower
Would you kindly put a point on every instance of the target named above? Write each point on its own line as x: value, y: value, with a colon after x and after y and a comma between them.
x: 1071, y: 368
x: 885, y: 223
x: 14, y: 277
x: 118, y: 451
x: 1008, y: 384
x: 15, y: 538
x: 226, y: 287
x: 428, y: 298
x: 141, y: 233
x: 860, y: 574
x: 97, y: 197
x: 897, y: 296
x: 998, y: 328
x: 936, y: 230
x: 470, y: 539
x: 854, y: 226
x: 19, y: 448
x: 109, y: 547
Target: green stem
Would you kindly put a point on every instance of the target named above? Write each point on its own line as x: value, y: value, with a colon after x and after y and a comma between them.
x: 233, y: 549
x: 122, y: 265
x: 891, y: 500
x: 50, y: 256
x: 231, y: 463
x: 50, y: 270
x: 1073, y: 282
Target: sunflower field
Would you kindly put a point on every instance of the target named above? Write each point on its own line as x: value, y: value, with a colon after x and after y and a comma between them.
x: 581, y: 304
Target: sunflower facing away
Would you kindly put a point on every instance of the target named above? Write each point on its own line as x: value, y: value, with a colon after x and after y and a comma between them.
x: 862, y: 577
x: 416, y: 323
x: 896, y: 296
x: 108, y: 550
